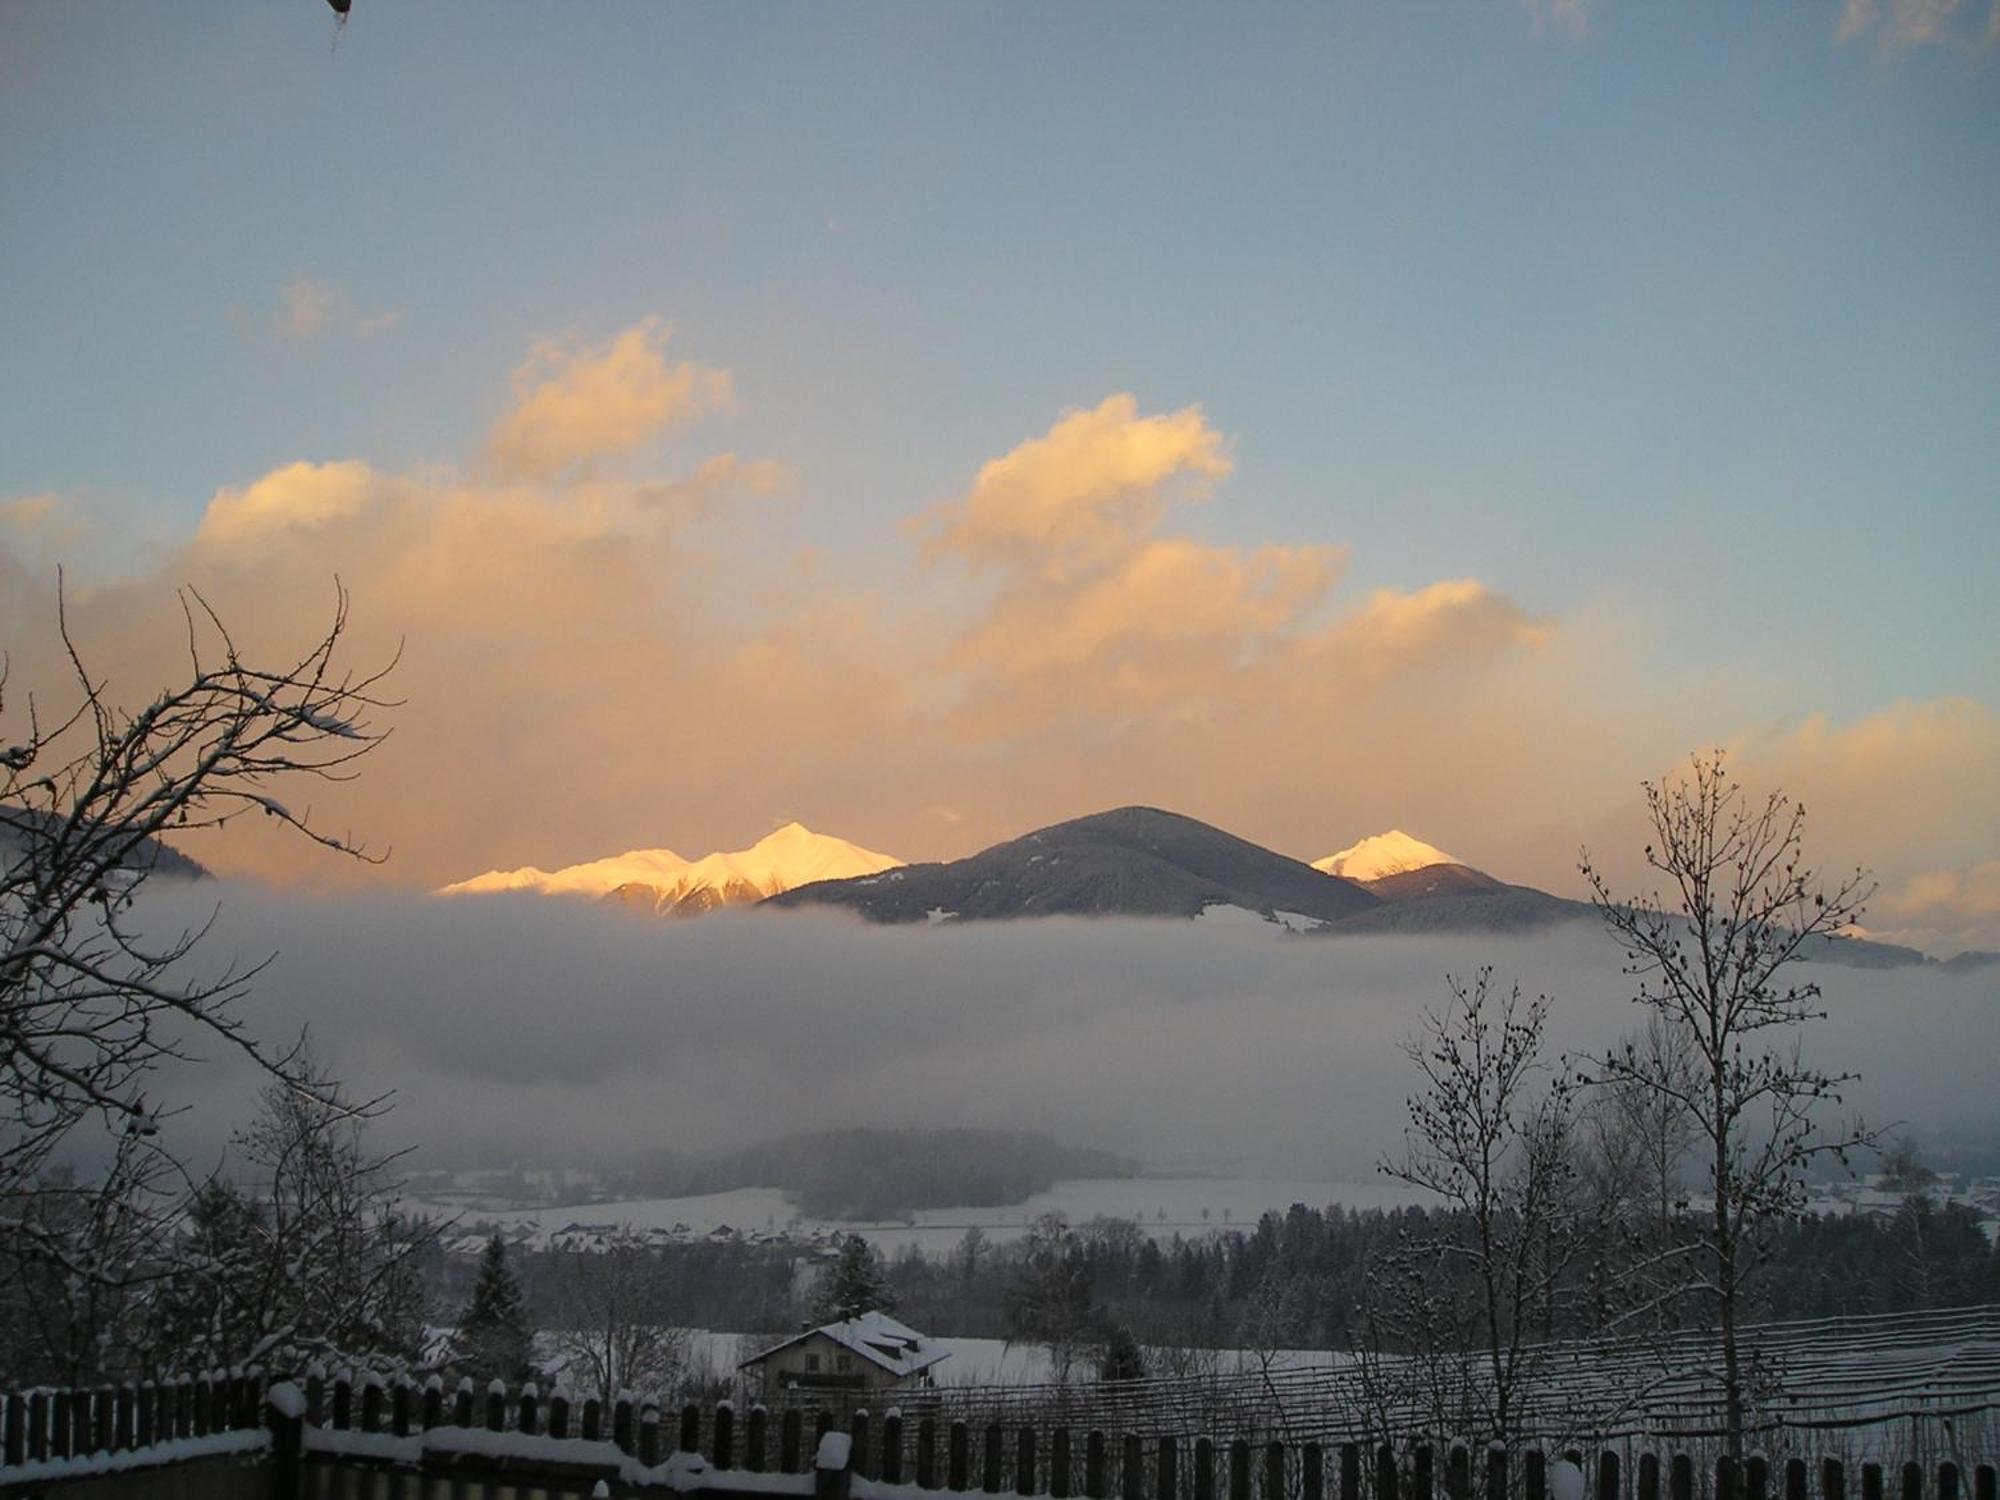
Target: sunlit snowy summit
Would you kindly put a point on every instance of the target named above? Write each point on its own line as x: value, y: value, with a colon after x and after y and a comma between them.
x: 662, y: 881
x: 1391, y: 853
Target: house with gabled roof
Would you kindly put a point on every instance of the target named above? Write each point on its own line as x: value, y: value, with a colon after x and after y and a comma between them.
x: 870, y: 1353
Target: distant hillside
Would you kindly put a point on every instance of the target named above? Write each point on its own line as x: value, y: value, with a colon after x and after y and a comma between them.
x: 1436, y: 880
x: 880, y: 1174
x: 19, y: 825
x: 1132, y: 861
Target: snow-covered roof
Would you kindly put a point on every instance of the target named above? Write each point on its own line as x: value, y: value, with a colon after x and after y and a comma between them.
x: 876, y: 1337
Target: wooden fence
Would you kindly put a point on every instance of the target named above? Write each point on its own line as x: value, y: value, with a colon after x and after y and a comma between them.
x: 365, y: 1436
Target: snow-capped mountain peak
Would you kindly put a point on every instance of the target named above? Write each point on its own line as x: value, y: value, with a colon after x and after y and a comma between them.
x: 786, y: 858
x: 1388, y: 853
x: 646, y: 866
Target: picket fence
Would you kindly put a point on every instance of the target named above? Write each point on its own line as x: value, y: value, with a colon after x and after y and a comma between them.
x: 365, y: 1436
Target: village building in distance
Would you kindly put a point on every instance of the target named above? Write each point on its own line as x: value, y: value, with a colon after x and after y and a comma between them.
x: 872, y: 1352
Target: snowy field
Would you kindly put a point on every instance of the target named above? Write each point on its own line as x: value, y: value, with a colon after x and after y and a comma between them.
x: 1160, y: 1206
x: 985, y: 1362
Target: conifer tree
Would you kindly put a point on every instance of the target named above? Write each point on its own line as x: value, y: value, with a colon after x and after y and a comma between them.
x: 493, y: 1335
x: 853, y: 1284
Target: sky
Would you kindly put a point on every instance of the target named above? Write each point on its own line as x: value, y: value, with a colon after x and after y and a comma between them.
x: 928, y: 422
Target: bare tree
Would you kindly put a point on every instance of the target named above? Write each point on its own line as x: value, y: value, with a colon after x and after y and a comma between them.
x: 310, y: 1256
x: 1713, y: 956
x: 1490, y: 1135
x: 615, y: 1319
x: 1051, y: 1300
x: 91, y: 1003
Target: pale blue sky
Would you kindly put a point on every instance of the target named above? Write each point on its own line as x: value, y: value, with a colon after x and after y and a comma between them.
x: 1695, y: 316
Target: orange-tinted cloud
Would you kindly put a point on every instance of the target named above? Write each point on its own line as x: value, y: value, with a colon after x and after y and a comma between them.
x: 575, y: 404
x: 597, y: 657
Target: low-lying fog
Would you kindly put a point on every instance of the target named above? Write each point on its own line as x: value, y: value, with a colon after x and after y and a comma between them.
x: 566, y: 1032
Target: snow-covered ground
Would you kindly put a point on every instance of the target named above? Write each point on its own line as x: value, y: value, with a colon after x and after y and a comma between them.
x: 1160, y: 1206
x: 982, y: 1361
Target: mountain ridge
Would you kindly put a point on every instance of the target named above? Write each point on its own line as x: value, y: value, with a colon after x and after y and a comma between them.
x: 664, y: 882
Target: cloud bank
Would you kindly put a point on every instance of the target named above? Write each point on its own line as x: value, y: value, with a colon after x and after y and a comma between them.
x: 608, y: 640
x: 575, y: 1032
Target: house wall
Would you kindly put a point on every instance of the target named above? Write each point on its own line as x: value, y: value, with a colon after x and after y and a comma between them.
x: 794, y: 1364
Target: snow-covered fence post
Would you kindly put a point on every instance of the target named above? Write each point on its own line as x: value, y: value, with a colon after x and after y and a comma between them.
x: 183, y: 1407
x: 371, y: 1401
x: 857, y: 1427
x: 144, y: 1415
x: 1756, y: 1473
x: 1239, y: 1469
x: 1312, y: 1472
x: 1796, y: 1487
x: 1607, y: 1477
x: 1385, y: 1474
x: 559, y: 1413
x: 1728, y: 1479
x: 1984, y: 1486
x: 316, y: 1394
x: 531, y: 1397
x: 1059, y: 1463
x: 789, y: 1445
x: 1913, y: 1480
x: 756, y: 1437
x: 1458, y: 1473
x: 1093, y: 1464
x: 1535, y: 1475
x: 1024, y: 1461
x: 993, y: 1460
x: 622, y: 1419
x: 1421, y: 1472
x: 1274, y: 1471
x: 121, y: 1418
x: 891, y: 1467
x: 16, y: 1440
x: 1649, y: 1476
x: 1204, y: 1468
x: 1131, y: 1468
x: 432, y: 1411
x: 1871, y: 1482
x: 1833, y: 1480
x: 203, y: 1406
x: 343, y: 1401
x: 496, y: 1406
x: 1680, y: 1477
x: 1947, y: 1481
x: 593, y: 1419
x: 1167, y: 1469
x: 649, y: 1434
x: 833, y: 1476
x: 722, y: 1437
x: 284, y: 1414
x: 399, y: 1407
x: 461, y: 1403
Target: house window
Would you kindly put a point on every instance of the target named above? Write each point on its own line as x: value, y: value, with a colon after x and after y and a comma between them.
x: 812, y: 1364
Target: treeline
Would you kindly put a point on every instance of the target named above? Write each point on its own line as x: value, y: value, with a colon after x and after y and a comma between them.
x: 1306, y: 1278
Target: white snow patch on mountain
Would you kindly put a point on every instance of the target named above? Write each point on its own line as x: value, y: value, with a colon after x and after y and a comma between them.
x: 791, y: 856
x: 1388, y: 853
